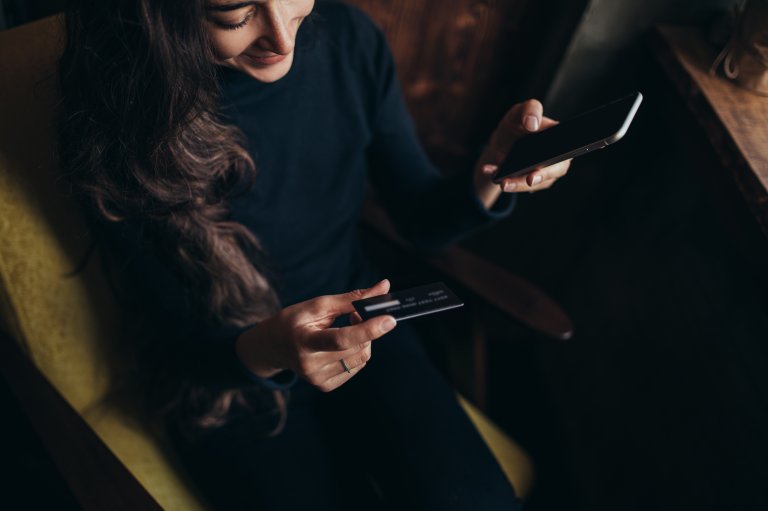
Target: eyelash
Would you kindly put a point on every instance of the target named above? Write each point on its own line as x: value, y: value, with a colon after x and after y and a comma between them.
x: 238, y: 25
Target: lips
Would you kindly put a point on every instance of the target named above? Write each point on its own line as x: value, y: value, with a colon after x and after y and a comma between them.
x: 267, y: 60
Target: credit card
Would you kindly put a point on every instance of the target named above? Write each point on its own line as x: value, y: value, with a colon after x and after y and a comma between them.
x: 410, y: 303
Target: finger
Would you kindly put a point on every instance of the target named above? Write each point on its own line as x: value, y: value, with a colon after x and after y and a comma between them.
x: 490, y: 169
x: 353, y: 357
x: 512, y: 127
x: 344, y: 338
x: 555, y: 171
x: 547, y: 122
x: 544, y: 185
x: 342, y: 303
x: 532, y: 112
x: 558, y: 170
x: 365, y: 331
x: 535, y: 178
x: 337, y: 381
x: 355, y: 319
x: 514, y: 184
x: 330, y: 365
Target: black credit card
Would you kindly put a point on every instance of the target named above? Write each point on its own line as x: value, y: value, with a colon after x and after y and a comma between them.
x: 409, y: 303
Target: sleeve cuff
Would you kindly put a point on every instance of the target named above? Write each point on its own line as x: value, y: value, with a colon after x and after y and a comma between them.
x: 500, y: 209
x: 283, y: 380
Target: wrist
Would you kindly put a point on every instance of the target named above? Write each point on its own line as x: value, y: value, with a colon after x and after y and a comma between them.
x: 253, y: 356
x: 487, y: 191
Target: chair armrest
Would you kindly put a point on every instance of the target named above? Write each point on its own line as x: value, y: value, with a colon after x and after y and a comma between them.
x: 97, y: 479
x: 506, y: 291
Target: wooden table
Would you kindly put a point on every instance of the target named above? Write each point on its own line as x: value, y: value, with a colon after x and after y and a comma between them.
x: 735, y: 120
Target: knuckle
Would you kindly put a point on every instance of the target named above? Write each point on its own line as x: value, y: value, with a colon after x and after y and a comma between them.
x: 357, y: 293
x: 305, y: 367
x: 322, y: 304
x: 340, y: 342
x: 365, y: 356
x: 370, y: 332
x: 373, y: 332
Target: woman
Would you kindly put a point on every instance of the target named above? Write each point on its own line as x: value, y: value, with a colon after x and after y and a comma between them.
x: 223, y: 150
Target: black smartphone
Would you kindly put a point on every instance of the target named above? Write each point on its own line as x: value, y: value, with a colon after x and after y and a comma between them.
x: 573, y: 137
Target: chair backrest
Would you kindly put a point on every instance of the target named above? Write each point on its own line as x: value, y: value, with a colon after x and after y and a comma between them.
x: 61, y: 321
x: 68, y: 325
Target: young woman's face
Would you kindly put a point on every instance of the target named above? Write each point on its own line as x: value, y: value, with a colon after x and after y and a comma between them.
x: 257, y: 36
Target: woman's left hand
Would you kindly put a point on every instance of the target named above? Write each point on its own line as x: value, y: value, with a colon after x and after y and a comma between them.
x: 520, y: 120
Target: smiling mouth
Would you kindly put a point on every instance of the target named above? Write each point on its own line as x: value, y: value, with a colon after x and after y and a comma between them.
x: 266, y: 61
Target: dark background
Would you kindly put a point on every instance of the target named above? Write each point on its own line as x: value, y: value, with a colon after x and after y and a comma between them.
x: 660, y: 401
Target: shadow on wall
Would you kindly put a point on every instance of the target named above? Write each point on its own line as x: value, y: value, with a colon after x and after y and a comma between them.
x: 598, y: 63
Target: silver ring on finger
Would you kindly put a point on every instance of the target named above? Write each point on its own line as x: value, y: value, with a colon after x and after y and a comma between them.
x: 345, y: 366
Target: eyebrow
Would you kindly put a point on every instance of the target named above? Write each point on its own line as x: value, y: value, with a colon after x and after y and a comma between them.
x: 229, y: 7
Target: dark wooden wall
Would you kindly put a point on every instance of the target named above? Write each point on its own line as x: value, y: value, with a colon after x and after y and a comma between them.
x: 660, y: 401
x: 462, y: 63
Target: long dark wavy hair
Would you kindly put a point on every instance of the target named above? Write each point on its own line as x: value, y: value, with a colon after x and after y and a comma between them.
x: 141, y: 140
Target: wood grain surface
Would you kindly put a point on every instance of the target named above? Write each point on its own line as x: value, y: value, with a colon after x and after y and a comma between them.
x: 510, y: 293
x: 457, y: 61
x: 735, y: 119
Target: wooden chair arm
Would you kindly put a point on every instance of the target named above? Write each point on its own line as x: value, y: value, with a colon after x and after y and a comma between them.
x: 97, y: 479
x: 506, y: 291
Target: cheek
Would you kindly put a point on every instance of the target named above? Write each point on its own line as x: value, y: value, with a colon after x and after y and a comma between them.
x: 227, y: 45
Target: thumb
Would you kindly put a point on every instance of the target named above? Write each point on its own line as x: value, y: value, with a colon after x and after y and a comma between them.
x: 531, y: 113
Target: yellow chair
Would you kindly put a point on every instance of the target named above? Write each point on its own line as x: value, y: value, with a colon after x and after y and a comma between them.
x: 68, y: 326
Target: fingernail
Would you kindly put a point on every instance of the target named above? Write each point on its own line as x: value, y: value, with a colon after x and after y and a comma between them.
x: 536, y: 180
x: 510, y: 187
x: 531, y: 123
x: 388, y: 324
x: 489, y: 169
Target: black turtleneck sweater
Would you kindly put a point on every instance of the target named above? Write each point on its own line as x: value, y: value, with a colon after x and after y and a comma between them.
x: 333, y: 126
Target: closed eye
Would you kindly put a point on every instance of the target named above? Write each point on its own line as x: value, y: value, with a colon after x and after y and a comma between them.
x: 233, y: 26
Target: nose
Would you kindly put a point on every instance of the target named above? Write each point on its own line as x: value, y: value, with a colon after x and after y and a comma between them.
x: 277, y: 32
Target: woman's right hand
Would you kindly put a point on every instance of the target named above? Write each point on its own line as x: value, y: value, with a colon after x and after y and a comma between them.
x: 300, y: 338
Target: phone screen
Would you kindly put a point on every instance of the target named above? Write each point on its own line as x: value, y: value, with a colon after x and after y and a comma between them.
x: 593, y: 129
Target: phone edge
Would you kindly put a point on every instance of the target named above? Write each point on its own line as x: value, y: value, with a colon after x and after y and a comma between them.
x: 625, y: 126
x: 584, y: 149
x: 557, y: 159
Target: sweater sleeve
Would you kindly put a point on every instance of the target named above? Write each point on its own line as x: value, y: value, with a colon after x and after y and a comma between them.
x: 429, y: 209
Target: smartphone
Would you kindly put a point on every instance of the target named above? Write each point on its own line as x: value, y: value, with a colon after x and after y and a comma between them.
x: 573, y: 137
